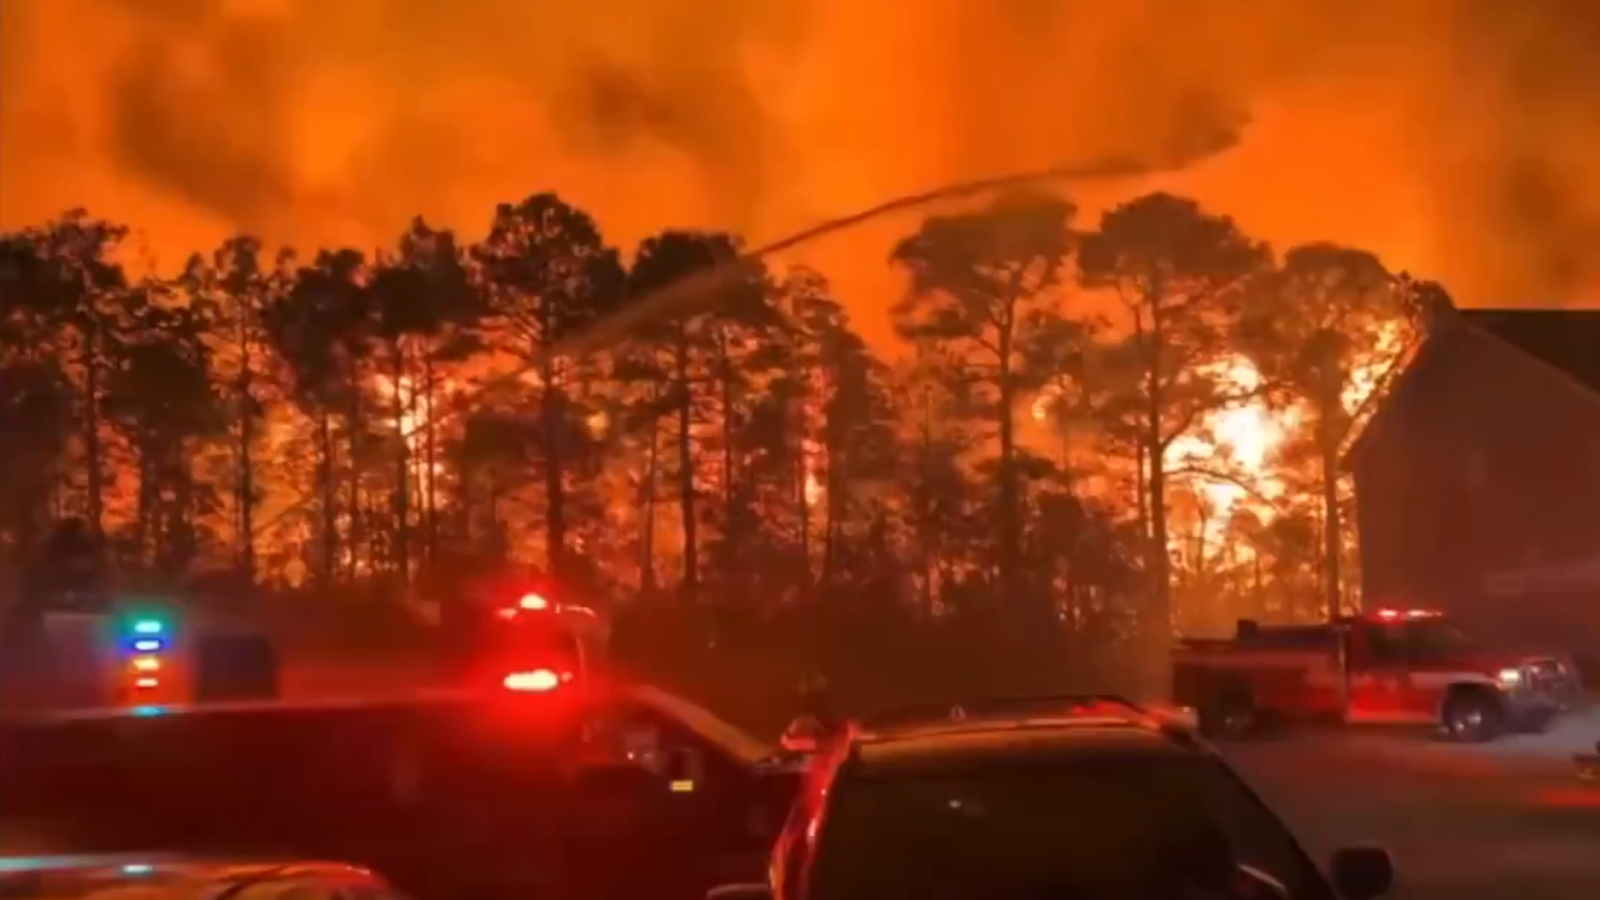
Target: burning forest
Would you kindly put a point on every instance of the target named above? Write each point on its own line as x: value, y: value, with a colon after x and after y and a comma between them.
x: 1115, y: 402
x: 1094, y: 423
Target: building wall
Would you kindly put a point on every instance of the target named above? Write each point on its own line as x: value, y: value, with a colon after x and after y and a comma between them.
x: 1483, y: 479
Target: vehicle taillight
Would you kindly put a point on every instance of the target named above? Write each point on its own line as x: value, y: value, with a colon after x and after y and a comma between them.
x: 536, y: 681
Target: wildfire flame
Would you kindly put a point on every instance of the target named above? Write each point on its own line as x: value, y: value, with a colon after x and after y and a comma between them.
x: 413, y: 427
x: 1243, y: 439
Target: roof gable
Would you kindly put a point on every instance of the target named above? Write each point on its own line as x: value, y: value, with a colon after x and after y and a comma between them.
x: 1566, y: 339
x: 1564, y: 344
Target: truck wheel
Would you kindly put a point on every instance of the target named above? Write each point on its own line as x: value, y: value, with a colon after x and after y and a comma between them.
x: 1471, y: 716
x: 1231, y: 715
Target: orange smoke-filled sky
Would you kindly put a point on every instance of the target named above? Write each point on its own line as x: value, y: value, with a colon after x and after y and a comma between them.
x: 1458, y: 138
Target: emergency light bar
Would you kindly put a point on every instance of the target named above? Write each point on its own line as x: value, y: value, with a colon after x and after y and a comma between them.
x: 1391, y: 614
x: 147, y: 640
x: 528, y: 603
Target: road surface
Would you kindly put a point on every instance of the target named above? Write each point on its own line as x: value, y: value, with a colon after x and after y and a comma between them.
x: 1507, y: 821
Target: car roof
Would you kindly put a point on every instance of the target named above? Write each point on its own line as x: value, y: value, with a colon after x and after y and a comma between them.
x: 999, y: 731
x: 164, y: 875
x: 243, y: 707
x: 997, y: 742
x: 649, y: 695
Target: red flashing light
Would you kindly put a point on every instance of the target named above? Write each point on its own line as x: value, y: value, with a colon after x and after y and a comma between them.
x: 538, y: 681
x: 145, y: 684
x: 533, y: 603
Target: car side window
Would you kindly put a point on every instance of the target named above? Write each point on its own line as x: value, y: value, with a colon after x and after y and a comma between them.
x: 1385, y: 645
x: 644, y: 743
x: 640, y: 735
x: 1434, y: 642
x: 629, y: 733
x: 1258, y: 836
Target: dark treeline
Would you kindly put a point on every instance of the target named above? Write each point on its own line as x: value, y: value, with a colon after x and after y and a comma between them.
x: 1042, y: 463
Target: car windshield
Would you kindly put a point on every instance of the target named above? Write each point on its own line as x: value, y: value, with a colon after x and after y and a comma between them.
x: 1099, y: 827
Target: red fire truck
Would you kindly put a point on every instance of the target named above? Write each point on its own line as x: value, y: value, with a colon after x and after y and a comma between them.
x: 1388, y: 667
x: 541, y: 646
x: 513, y: 633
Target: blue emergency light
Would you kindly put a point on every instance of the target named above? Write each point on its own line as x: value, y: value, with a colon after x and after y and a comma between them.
x: 148, y: 645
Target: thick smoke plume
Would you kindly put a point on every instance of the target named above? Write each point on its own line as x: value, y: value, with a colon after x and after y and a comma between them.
x: 1458, y: 137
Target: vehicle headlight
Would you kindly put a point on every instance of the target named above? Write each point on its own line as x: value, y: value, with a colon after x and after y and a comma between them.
x: 1510, y: 677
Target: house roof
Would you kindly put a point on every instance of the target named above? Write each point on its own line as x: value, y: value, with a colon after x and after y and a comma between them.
x: 1567, y: 339
x: 1565, y: 342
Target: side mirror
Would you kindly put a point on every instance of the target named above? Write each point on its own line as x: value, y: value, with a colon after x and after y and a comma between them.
x: 740, y: 892
x: 804, y: 735
x: 1362, y: 873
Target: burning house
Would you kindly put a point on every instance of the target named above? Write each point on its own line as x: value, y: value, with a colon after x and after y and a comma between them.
x: 1478, y: 481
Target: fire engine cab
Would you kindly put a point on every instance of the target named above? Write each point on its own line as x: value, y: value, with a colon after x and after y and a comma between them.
x: 1387, y: 667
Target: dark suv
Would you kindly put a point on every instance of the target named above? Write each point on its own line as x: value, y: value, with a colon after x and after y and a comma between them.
x: 450, y: 795
x: 1038, y: 799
